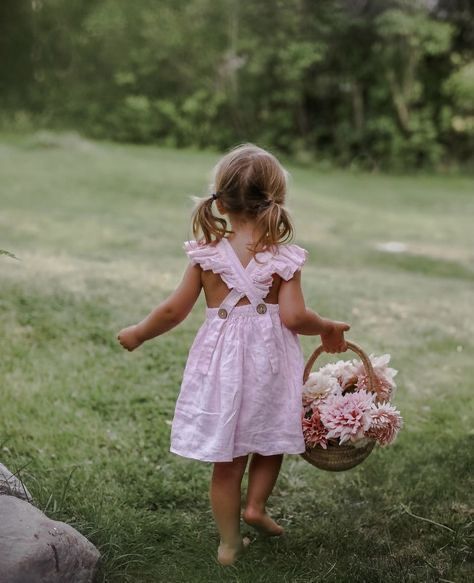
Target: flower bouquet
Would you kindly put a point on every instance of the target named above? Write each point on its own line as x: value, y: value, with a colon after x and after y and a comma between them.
x: 347, y: 410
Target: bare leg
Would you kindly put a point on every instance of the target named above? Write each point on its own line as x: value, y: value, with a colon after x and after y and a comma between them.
x: 225, y: 503
x: 263, y: 473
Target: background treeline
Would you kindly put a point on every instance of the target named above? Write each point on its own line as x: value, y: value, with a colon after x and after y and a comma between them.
x: 370, y: 82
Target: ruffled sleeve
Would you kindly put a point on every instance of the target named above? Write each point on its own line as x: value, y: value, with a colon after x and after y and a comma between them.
x: 288, y: 260
x: 200, y: 253
x: 210, y: 257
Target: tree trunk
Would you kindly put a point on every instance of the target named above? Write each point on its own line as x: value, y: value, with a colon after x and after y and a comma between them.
x: 357, y: 106
x: 399, y: 102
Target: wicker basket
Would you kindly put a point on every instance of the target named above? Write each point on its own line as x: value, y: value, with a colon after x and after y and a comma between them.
x: 337, y: 457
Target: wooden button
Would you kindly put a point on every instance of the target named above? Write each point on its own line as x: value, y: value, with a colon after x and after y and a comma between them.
x: 261, y: 308
x: 222, y: 313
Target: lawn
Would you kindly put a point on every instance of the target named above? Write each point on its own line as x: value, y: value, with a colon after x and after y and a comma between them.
x: 98, y: 230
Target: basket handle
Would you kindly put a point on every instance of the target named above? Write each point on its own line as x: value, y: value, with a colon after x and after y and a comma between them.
x: 372, y: 384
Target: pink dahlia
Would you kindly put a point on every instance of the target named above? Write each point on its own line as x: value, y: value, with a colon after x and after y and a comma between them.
x: 386, y: 422
x: 382, y: 386
x: 347, y: 416
x: 385, y: 385
x: 314, y: 431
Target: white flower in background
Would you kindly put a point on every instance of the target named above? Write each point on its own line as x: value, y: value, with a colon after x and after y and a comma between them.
x: 380, y: 364
x: 320, y: 384
x: 345, y: 371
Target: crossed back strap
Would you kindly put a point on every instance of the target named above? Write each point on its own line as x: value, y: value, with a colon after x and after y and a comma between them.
x: 244, y: 287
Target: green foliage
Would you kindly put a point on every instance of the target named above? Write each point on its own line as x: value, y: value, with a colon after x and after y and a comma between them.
x: 460, y: 86
x: 372, y: 83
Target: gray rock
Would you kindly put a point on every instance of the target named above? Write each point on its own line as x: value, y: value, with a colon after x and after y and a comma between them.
x: 36, y: 549
x: 11, y: 485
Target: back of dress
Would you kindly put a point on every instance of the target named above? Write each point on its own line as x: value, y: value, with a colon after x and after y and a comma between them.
x: 241, y: 389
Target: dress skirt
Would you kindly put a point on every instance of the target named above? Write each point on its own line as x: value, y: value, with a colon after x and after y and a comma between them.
x: 233, y: 399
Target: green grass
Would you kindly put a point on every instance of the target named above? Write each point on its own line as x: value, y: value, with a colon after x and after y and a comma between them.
x: 98, y: 229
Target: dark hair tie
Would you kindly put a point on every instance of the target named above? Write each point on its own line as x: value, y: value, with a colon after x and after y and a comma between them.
x: 214, y: 196
x: 264, y: 204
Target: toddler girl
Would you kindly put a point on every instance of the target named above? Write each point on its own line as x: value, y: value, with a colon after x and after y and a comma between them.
x: 241, y: 389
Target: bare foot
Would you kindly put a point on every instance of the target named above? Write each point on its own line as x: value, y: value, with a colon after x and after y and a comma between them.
x: 262, y: 522
x: 228, y: 554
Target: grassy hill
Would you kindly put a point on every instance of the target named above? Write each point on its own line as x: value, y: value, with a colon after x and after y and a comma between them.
x: 98, y: 229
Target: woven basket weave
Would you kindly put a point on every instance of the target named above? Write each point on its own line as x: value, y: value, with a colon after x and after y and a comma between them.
x: 337, y: 457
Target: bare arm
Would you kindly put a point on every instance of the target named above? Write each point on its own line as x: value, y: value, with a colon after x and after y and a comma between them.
x: 298, y: 318
x: 166, y: 315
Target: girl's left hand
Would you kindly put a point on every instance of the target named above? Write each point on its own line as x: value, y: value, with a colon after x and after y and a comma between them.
x: 129, y: 339
x: 333, y: 337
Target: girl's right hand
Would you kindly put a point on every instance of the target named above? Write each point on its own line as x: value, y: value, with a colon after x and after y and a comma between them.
x: 129, y: 339
x: 333, y: 337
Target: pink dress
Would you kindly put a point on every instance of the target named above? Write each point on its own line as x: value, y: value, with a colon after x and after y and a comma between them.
x: 242, y: 384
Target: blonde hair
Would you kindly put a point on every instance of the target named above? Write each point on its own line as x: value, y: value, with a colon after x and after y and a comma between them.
x: 251, y: 183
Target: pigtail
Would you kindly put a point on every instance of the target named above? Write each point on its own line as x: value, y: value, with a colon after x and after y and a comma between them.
x: 204, y: 221
x: 274, y: 225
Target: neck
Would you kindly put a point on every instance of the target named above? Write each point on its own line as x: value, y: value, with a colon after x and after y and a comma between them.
x: 241, y: 226
x: 244, y: 233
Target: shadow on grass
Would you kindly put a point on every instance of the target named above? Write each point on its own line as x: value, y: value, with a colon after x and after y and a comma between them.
x: 400, y: 516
